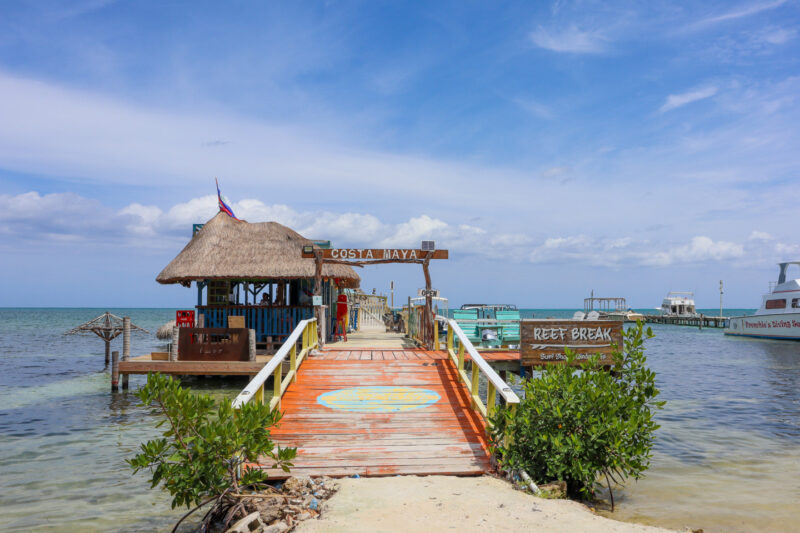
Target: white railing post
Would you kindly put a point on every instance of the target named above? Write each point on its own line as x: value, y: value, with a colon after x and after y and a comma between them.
x: 305, y: 331
x: 495, y: 384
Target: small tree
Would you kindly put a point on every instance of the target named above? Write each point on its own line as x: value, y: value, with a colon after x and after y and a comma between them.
x: 583, y: 424
x: 203, y: 454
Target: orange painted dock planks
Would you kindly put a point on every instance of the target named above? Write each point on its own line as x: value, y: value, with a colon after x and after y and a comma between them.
x: 443, y: 437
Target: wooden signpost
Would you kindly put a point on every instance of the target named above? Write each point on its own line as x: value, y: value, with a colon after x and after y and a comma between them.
x: 393, y: 255
x: 373, y: 256
x: 542, y: 342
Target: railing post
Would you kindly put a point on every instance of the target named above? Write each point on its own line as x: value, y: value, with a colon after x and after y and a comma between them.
x: 449, y: 338
x: 277, y: 376
x: 259, y: 396
x: 460, y: 356
x: 293, y: 362
x: 507, y: 439
x: 491, y: 399
x: 435, y: 334
x: 476, y: 373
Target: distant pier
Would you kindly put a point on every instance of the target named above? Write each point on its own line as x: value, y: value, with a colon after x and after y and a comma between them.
x: 699, y: 321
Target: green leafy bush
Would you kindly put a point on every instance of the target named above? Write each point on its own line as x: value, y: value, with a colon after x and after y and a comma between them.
x: 584, y: 424
x: 205, y: 446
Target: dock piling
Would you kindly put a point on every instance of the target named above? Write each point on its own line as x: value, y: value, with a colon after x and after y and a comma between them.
x: 251, y: 341
x: 173, y: 353
x: 115, y: 371
x: 126, y: 346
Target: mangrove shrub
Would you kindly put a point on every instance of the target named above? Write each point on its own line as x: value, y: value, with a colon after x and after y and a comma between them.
x: 583, y: 424
x: 203, y: 453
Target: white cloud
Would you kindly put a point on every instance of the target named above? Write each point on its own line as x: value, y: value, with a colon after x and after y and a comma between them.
x: 571, y: 40
x: 778, y: 35
x: 70, y: 218
x: 535, y: 108
x: 746, y: 11
x: 756, y: 235
x: 677, y: 100
x: 759, y: 249
x: 584, y: 249
x: 57, y: 131
x: 699, y: 250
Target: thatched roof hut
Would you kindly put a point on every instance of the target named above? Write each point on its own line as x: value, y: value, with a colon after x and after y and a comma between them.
x: 226, y: 248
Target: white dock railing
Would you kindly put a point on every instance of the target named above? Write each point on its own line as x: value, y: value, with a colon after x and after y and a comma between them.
x: 255, y: 389
x: 494, y: 383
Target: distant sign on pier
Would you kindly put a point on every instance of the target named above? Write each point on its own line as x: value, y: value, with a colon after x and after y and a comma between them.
x: 543, y: 342
x: 372, y: 254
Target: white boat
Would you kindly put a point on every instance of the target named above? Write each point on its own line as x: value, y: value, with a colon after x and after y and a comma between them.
x: 679, y: 303
x: 779, y: 315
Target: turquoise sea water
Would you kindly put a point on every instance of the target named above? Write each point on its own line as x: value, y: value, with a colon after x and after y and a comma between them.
x: 727, y: 456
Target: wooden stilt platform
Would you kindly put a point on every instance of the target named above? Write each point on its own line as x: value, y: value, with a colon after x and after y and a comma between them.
x: 394, y: 433
x: 145, y: 363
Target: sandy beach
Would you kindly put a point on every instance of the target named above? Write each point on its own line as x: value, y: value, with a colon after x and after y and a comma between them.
x: 443, y: 503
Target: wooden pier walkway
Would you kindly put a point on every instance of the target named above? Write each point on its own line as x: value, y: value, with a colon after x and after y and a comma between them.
x: 699, y: 321
x: 380, y: 411
x: 405, y: 413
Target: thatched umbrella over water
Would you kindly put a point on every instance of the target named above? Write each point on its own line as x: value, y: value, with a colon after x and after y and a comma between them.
x: 165, y: 332
x: 107, y: 326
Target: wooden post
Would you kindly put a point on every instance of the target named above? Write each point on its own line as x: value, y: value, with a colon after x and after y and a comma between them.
x: 108, y: 350
x: 126, y: 346
x: 408, y: 320
x: 115, y: 371
x: 318, y: 292
x: 173, y: 353
x: 428, y: 315
x: 450, y: 334
x: 293, y: 362
x: 251, y: 341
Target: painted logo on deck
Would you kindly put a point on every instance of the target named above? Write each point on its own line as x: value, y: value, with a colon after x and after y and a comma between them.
x: 378, y: 399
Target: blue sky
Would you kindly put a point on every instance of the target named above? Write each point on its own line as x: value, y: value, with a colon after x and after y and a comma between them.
x: 554, y: 147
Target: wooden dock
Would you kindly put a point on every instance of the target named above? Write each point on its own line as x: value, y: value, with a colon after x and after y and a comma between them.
x: 145, y: 363
x: 382, y: 410
x: 397, y: 412
x: 700, y: 321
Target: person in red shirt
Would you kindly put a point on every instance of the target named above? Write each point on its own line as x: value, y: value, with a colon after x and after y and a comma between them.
x: 342, y: 315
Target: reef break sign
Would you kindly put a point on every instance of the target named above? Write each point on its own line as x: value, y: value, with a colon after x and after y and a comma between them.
x: 542, y: 342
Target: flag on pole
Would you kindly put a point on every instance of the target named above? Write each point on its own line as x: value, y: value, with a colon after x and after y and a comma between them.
x: 224, y: 207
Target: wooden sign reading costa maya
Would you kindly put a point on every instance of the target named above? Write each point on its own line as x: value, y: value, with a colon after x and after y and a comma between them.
x: 379, y: 254
x: 542, y: 342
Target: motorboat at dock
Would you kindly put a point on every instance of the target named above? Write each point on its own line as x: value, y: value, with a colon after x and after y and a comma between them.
x: 779, y: 314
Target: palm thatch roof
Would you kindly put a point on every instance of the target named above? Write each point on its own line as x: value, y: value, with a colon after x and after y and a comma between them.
x: 107, y: 326
x: 165, y: 331
x: 226, y: 248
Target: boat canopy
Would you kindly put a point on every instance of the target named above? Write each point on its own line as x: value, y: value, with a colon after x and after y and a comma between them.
x: 784, y: 267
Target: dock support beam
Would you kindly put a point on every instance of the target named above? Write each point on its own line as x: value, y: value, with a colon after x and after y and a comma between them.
x: 115, y: 371
x: 173, y: 353
x: 251, y: 341
x: 126, y: 346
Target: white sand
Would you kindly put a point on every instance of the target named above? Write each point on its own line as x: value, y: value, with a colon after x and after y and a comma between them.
x: 443, y: 503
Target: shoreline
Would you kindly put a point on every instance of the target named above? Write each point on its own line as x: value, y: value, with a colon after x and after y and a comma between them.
x: 444, y: 503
